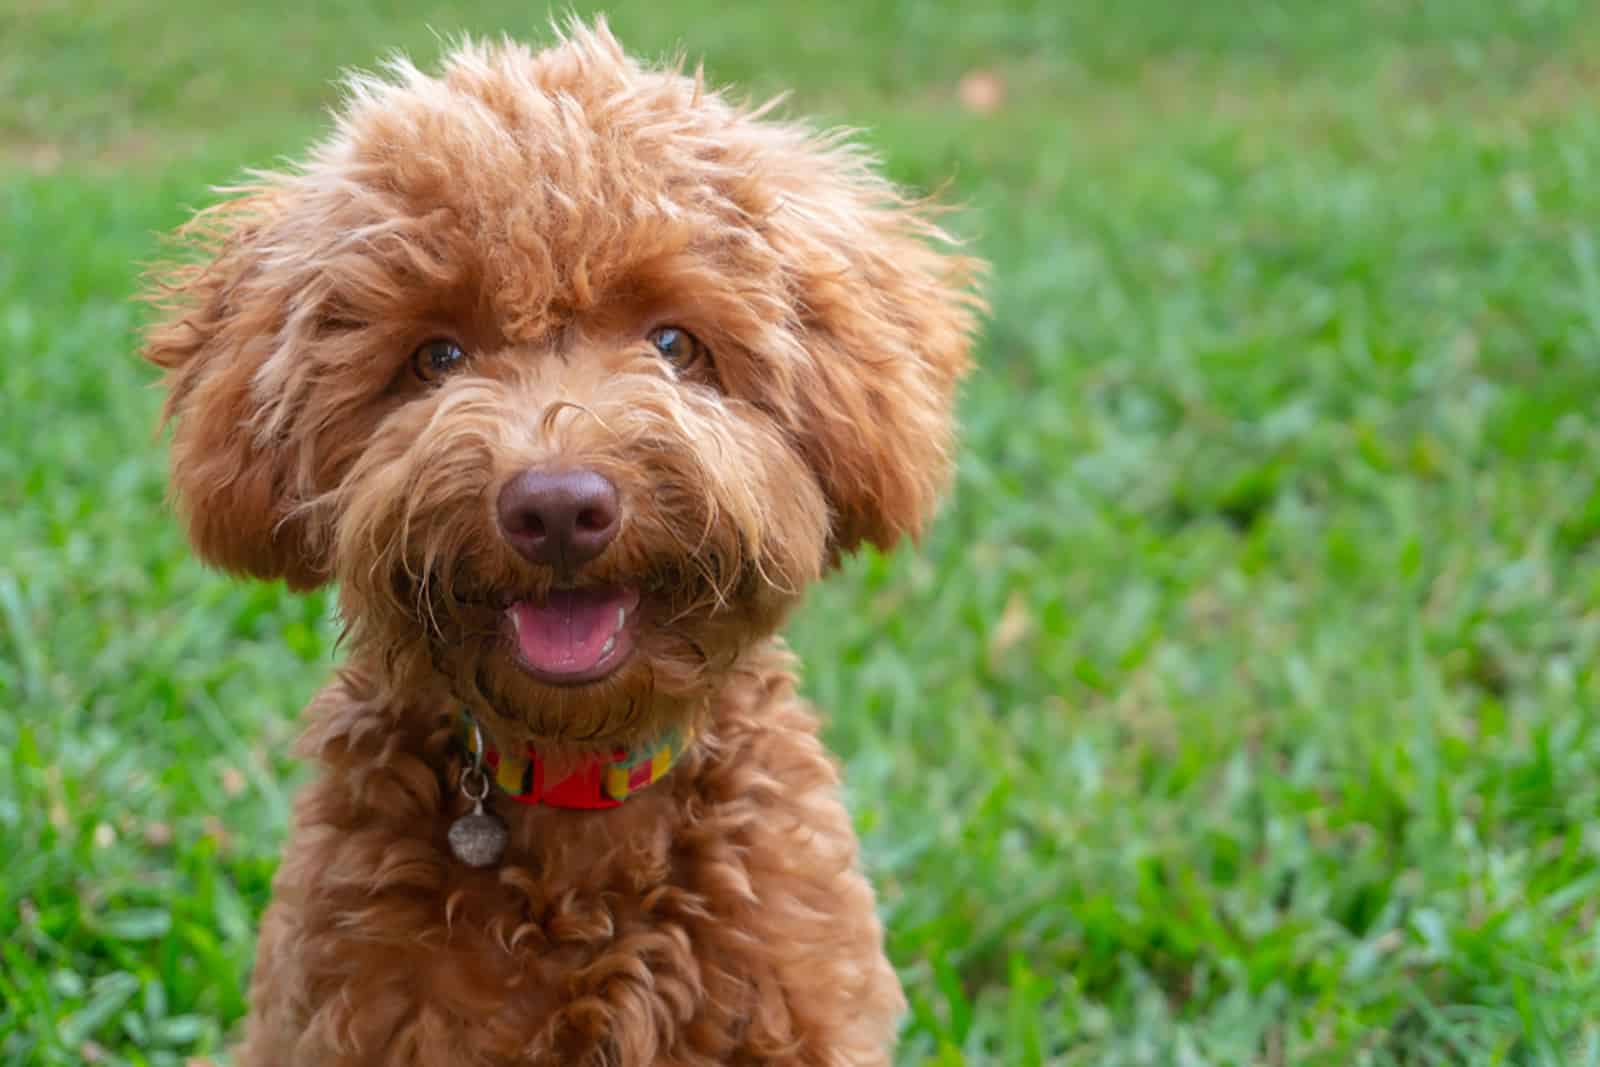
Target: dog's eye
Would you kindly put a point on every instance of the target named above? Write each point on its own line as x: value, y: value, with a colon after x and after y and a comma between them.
x: 436, y: 358
x: 678, y: 346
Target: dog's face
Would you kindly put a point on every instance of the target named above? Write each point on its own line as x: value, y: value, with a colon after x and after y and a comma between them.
x: 571, y: 374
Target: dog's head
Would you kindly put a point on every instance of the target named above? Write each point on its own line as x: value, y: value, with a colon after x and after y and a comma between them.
x: 569, y: 372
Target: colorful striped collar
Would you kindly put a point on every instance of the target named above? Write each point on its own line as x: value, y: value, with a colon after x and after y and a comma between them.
x: 602, y: 781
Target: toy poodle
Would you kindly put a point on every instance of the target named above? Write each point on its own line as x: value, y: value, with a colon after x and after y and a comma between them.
x: 572, y: 374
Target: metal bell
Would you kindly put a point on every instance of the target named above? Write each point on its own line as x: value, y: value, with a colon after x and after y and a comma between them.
x: 478, y: 838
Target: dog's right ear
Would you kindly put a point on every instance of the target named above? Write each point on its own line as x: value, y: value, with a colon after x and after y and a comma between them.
x: 233, y: 465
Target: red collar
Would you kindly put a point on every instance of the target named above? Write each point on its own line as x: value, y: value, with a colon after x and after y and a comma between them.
x: 602, y: 781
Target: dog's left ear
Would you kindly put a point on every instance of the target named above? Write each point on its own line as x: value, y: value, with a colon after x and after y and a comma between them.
x: 233, y: 465
x: 889, y: 310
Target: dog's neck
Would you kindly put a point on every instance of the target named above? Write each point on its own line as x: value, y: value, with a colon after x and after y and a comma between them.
x: 397, y: 756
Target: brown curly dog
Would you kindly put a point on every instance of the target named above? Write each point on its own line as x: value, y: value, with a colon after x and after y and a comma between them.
x: 572, y: 375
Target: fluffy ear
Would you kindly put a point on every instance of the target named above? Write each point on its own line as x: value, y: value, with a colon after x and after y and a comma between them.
x: 231, y: 463
x: 889, y: 311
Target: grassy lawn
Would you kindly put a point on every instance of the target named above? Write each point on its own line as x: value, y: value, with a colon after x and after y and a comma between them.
x: 1243, y: 707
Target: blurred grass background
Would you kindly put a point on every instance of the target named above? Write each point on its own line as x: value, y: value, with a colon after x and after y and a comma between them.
x: 1240, y: 710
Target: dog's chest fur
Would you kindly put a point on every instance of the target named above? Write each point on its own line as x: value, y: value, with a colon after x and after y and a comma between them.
x: 717, y: 918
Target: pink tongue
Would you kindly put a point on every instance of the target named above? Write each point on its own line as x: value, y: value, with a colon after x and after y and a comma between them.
x: 566, y: 633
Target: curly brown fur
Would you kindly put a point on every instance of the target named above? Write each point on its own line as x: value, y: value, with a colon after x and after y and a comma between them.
x: 547, y: 211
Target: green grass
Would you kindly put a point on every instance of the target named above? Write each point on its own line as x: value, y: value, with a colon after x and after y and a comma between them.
x: 1241, y: 709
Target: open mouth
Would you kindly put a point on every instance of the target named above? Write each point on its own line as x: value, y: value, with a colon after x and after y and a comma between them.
x: 574, y: 636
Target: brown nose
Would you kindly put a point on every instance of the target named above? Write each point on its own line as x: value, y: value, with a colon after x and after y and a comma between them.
x: 562, y: 518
